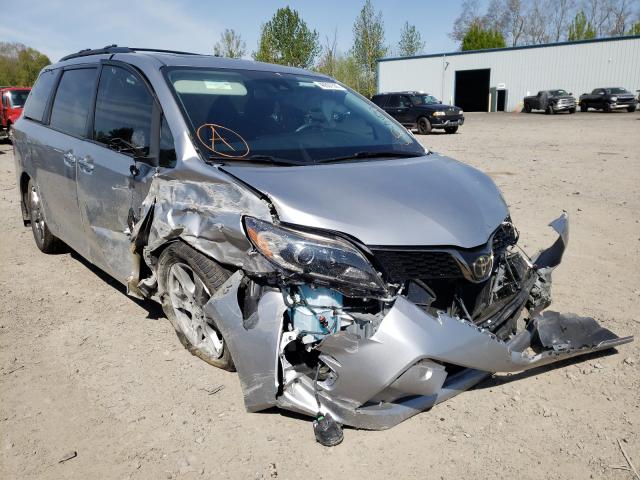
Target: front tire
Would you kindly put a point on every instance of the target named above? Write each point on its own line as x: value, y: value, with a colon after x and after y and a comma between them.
x: 572, y: 110
x: 10, y: 133
x: 451, y: 129
x: 424, y: 126
x: 584, y: 107
x: 631, y: 109
x: 550, y: 110
x: 45, y: 240
x: 607, y: 107
x: 186, y: 281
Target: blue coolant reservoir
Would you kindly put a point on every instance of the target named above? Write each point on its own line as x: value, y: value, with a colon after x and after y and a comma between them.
x: 318, y: 317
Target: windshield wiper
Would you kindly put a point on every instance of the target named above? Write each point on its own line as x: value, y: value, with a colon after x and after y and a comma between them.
x: 365, y: 155
x: 257, y: 158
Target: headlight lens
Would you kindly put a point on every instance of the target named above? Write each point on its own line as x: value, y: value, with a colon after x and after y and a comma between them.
x: 460, y: 111
x: 438, y: 114
x: 331, y: 260
x: 614, y: 99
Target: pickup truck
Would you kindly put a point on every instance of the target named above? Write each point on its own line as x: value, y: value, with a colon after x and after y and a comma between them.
x: 551, y: 101
x: 12, y: 101
x: 608, y: 99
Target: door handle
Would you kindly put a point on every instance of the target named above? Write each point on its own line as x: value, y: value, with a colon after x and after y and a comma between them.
x: 69, y: 159
x: 86, y: 164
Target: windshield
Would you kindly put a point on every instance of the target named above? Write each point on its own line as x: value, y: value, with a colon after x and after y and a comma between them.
x: 557, y: 93
x: 18, y: 97
x: 246, y: 114
x: 617, y: 90
x: 424, y: 99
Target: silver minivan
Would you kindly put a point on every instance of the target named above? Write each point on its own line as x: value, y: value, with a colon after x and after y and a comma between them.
x: 291, y: 229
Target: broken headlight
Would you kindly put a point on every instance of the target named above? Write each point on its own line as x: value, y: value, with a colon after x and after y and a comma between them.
x: 331, y: 260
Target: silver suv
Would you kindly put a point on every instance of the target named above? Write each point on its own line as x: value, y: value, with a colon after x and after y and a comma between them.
x: 291, y: 229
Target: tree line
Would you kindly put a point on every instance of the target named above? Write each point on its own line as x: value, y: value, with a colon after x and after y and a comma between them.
x: 535, y: 22
x: 287, y: 39
x: 19, y: 64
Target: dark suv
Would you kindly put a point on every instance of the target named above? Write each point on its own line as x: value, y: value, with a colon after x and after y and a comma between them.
x: 420, y: 110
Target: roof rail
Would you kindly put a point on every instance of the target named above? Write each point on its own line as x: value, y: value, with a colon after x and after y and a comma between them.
x: 158, y: 50
x: 88, y: 51
x: 110, y: 49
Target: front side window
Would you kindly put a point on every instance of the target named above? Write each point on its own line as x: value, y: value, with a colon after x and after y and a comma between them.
x: 243, y: 114
x: 73, y: 100
x: 123, y: 113
x: 17, y: 98
x: 37, y: 103
x: 424, y: 99
x: 617, y: 90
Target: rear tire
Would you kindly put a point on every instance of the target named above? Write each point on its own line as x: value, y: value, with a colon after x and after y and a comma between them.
x: 584, y: 107
x: 186, y: 281
x: 451, y: 129
x: 45, y: 240
x: 424, y: 126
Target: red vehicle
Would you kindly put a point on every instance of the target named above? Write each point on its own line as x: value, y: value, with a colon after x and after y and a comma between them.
x: 11, y: 104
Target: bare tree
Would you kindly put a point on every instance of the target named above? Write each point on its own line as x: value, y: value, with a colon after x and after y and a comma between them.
x: 536, y: 23
x: 329, y: 55
x: 559, y: 17
x: 514, y: 21
x: 621, y: 16
x: 598, y: 14
x: 496, y: 17
x: 469, y: 16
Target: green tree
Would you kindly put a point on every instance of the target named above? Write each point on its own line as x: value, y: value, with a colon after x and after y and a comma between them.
x: 410, y: 41
x: 230, y: 45
x: 478, y: 38
x: 368, y: 46
x: 580, y: 28
x: 19, y: 64
x: 635, y: 29
x: 286, y: 40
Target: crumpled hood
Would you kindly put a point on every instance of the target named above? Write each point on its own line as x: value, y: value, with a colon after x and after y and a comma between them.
x: 429, y: 200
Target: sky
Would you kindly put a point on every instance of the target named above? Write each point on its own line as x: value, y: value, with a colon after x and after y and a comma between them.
x: 60, y: 27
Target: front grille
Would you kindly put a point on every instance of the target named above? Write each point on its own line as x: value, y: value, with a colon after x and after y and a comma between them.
x: 401, y: 265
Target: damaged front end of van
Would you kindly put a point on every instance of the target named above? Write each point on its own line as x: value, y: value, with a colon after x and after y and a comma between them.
x: 319, y: 323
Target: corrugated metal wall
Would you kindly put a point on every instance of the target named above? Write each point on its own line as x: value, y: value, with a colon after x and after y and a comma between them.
x: 576, y: 67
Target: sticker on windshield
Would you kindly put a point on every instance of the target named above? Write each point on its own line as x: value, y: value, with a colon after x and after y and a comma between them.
x: 329, y: 86
x: 218, y: 85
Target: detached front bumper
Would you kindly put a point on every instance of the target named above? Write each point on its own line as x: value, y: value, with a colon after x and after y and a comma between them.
x: 413, y: 361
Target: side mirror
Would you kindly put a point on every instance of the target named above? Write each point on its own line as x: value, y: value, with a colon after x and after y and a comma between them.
x: 571, y: 94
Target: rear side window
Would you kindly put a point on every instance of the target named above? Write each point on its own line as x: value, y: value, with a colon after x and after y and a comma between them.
x: 73, y: 100
x: 394, y: 101
x: 37, y: 101
x: 124, y: 108
x: 379, y: 100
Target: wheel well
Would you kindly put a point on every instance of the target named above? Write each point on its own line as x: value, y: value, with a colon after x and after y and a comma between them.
x: 24, y: 184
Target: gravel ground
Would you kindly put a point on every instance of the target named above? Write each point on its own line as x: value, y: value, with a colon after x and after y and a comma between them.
x: 92, y: 376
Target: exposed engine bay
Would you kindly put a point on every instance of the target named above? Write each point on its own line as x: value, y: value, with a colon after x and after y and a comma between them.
x: 373, y: 358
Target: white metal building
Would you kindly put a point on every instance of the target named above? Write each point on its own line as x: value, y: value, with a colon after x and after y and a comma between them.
x: 498, y: 79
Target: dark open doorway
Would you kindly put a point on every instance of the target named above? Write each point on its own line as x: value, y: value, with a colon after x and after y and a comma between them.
x: 502, y: 99
x: 472, y: 90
